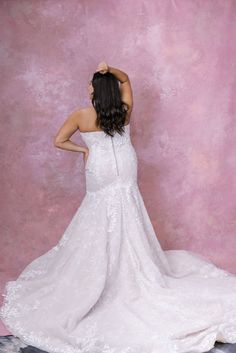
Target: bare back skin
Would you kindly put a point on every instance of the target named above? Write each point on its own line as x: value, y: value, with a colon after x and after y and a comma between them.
x: 87, y: 118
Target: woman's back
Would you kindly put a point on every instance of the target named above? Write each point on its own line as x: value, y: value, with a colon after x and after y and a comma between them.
x: 88, y: 117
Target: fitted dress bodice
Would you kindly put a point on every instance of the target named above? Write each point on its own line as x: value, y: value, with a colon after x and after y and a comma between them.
x: 110, y: 160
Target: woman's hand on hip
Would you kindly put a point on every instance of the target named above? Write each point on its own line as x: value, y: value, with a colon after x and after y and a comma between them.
x: 86, y: 154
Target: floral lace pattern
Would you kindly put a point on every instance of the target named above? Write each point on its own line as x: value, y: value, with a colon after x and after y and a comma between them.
x: 108, y: 286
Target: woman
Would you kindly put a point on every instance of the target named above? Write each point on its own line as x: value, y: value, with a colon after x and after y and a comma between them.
x: 107, y: 286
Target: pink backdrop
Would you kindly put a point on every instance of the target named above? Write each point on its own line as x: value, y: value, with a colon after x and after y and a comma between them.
x: 180, y: 56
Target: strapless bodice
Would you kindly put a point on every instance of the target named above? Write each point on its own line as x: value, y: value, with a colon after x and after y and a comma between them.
x: 101, y: 138
x: 110, y: 160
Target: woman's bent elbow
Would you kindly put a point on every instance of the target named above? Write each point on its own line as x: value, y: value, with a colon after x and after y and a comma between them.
x: 56, y: 143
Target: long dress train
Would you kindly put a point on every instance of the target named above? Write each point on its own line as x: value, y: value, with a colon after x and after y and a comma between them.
x: 108, y: 287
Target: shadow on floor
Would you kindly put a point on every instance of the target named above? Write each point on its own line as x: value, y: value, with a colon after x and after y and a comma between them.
x: 12, y: 344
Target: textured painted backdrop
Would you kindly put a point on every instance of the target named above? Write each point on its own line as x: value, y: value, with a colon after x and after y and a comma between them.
x: 180, y: 56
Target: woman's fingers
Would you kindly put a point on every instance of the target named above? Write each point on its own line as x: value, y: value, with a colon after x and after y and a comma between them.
x: 102, y: 67
x: 85, y: 158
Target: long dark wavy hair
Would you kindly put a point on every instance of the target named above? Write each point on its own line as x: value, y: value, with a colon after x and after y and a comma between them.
x: 106, y: 100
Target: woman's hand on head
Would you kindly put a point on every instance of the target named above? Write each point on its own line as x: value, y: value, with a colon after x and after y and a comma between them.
x: 102, y: 67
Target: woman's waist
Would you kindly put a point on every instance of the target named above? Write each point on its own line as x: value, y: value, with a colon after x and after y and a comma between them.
x: 114, y: 160
x: 110, y: 148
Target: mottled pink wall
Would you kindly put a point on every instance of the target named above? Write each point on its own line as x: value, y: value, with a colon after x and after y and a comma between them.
x: 180, y: 56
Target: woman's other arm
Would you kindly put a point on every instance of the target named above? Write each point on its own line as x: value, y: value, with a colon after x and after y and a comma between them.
x: 125, y: 88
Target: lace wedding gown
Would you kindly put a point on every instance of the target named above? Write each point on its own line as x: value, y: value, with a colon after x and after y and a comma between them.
x: 108, y: 287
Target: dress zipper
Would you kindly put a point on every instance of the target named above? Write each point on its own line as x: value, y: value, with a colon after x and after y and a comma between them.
x: 117, y: 171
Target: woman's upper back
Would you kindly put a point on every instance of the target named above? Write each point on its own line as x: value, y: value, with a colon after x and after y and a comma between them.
x: 87, y: 120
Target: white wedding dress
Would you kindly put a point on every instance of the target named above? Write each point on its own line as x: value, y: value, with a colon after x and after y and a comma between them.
x: 108, y: 287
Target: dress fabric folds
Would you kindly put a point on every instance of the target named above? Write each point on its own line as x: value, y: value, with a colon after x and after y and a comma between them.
x: 108, y: 286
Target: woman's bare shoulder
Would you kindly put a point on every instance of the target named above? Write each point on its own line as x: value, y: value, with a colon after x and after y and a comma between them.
x: 82, y: 112
x: 85, y: 117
